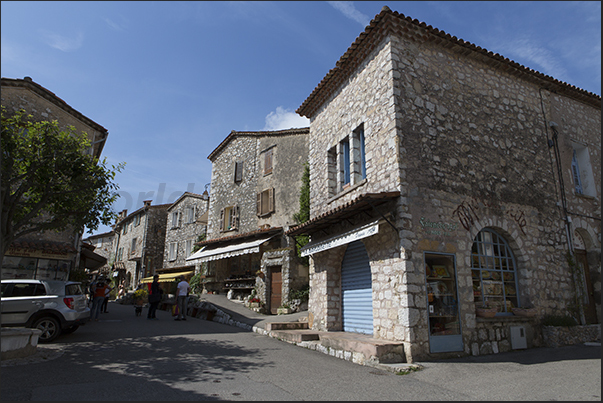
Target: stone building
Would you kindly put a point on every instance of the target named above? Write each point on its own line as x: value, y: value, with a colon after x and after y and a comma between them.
x: 140, y: 243
x: 51, y: 254
x: 255, y: 188
x: 104, y: 245
x: 186, y: 225
x: 446, y: 179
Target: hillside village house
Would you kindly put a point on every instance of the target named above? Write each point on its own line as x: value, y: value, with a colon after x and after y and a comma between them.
x: 445, y: 178
x: 49, y: 255
x: 186, y: 223
x: 140, y: 243
x: 255, y: 187
x: 104, y: 245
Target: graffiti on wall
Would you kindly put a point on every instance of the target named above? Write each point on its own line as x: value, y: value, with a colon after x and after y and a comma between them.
x: 468, y: 213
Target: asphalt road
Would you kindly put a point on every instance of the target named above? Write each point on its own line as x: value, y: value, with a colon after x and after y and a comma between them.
x: 124, y: 357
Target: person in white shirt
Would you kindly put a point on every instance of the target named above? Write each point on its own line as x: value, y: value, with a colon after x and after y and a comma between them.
x: 182, y: 291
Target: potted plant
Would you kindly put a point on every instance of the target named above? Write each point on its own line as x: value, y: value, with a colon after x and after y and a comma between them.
x: 486, y: 311
x: 140, y: 296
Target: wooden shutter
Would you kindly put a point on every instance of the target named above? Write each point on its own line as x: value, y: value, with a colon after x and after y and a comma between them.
x: 239, y: 171
x: 259, y: 204
x: 270, y: 200
x: 234, y: 217
x: 268, y: 162
x: 576, y: 173
x: 222, y: 220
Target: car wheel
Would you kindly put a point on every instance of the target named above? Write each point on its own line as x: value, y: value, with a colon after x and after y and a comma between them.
x: 70, y: 329
x: 50, y: 327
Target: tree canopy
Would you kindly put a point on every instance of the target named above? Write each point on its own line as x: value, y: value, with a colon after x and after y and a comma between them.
x: 50, y: 181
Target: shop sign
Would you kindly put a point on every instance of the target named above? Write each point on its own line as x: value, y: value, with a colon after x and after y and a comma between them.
x: 343, y: 239
x: 22, y: 252
x: 437, y: 227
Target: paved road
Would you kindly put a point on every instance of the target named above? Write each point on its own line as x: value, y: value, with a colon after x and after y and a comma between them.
x: 123, y: 357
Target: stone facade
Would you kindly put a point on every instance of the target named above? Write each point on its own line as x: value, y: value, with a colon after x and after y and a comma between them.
x: 467, y: 141
x: 105, y: 246
x: 186, y: 222
x: 141, y: 243
x: 255, y: 188
x: 50, y: 248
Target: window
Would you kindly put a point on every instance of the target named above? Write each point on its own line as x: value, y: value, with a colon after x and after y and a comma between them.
x: 133, y: 249
x: 137, y: 220
x: 346, y: 163
x: 175, y: 218
x: 120, y: 253
x: 582, y: 173
x: 229, y: 218
x: 125, y: 230
x: 268, y: 161
x: 188, y: 246
x: 190, y: 215
x: 172, y: 251
x: 493, y: 272
x: 265, y: 202
x: 238, y: 177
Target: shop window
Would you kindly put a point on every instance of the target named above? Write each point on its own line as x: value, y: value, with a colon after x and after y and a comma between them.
x: 229, y: 218
x: 265, y: 202
x: 494, y: 273
x: 582, y: 173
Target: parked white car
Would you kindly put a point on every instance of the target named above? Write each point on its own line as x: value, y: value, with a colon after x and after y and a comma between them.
x: 54, y: 307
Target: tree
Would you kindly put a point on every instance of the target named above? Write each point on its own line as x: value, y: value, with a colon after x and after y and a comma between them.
x: 49, y: 181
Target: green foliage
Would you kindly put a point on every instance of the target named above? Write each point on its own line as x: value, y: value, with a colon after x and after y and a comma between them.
x: 50, y: 181
x: 558, y: 320
x: 200, y: 238
x: 302, y: 294
x: 303, y: 214
x: 196, y: 284
x: 78, y: 275
x: 141, y: 294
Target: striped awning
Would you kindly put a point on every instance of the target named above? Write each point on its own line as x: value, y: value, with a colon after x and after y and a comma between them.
x: 206, y: 254
x: 167, y: 277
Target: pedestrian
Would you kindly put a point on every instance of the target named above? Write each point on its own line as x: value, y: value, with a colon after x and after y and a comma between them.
x: 98, y: 293
x: 154, y: 297
x: 108, y: 290
x: 182, y: 291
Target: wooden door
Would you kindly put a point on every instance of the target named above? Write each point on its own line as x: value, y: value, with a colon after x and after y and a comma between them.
x: 590, y: 311
x: 276, y: 284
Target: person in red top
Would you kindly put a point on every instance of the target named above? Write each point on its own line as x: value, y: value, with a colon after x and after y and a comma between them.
x: 98, y: 294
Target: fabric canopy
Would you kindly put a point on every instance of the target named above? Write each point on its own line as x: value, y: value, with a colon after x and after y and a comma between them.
x: 342, y: 239
x: 205, y: 254
x: 166, y: 277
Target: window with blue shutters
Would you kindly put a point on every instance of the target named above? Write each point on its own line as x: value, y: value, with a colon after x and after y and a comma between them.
x: 576, y: 174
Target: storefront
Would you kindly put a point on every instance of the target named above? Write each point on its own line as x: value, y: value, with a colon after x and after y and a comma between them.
x: 38, y: 260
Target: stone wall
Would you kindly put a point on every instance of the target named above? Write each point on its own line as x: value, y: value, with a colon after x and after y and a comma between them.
x: 467, y: 147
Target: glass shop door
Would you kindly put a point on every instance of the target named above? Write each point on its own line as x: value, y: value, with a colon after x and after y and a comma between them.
x: 442, y: 303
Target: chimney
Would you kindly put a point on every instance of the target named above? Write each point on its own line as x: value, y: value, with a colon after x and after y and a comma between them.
x: 147, y: 203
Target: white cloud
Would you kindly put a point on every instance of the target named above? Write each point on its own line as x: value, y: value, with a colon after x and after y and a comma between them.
x: 63, y: 43
x: 117, y: 26
x: 283, y: 119
x: 348, y: 9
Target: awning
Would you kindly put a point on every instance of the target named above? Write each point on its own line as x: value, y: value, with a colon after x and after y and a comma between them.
x: 167, y: 277
x: 341, y: 239
x: 206, y: 254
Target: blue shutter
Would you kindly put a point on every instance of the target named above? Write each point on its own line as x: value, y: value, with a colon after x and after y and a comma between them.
x: 346, y: 161
x: 362, y: 156
x: 576, y: 173
x: 357, y: 290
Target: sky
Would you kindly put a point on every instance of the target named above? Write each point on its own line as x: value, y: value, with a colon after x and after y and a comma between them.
x: 170, y: 80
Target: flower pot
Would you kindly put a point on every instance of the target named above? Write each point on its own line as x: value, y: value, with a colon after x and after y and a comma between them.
x: 283, y: 311
x: 486, y: 312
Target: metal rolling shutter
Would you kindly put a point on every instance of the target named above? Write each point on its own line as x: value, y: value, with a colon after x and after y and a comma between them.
x: 357, y: 290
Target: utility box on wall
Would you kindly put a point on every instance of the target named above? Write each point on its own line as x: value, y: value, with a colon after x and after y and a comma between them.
x: 518, y: 337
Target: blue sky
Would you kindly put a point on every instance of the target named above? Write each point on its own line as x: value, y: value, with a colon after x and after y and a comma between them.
x: 170, y: 80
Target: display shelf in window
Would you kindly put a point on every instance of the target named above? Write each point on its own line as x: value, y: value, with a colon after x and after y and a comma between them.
x: 243, y: 283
